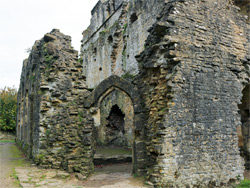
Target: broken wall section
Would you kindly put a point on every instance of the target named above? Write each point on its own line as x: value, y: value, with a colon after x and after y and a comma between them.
x: 52, y: 76
x: 28, y: 108
x: 244, y: 6
x: 109, y: 45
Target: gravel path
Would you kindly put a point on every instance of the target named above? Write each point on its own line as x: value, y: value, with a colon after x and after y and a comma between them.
x: 29, y: 176
x: 247, y: 174
x: 106, y: 177
x: 10, y: 157
x: 112, y: 176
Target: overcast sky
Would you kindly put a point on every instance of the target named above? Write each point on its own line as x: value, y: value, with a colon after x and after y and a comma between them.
x: 24, y: 21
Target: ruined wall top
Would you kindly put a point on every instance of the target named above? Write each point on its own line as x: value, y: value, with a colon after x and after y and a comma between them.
x: 117, y: 33
x: 102, y: 11
x: 244, y: 7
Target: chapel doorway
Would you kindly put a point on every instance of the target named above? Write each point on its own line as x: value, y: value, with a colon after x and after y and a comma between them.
x: 118, y: 125
x: 115, y: 130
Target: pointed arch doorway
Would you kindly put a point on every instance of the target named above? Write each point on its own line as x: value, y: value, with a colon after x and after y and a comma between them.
x: 114, y: 131
x: 118, y: 134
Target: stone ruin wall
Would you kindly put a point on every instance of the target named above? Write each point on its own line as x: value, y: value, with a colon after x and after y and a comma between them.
x: 194, y: 68
x: 191, y: 70
x: 117, y: 34
x: 50, y: 118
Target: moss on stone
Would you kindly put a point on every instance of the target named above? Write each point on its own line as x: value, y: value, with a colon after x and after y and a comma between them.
x: 124, y: 28
x: 128, y: 76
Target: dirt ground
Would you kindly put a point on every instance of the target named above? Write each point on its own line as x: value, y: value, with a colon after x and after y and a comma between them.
x: 113, y: 176
x: 247, y: 174
x: 10, y: 158
x: 30, y: 176
x: 7, y: 136
x: 110, y: 176
x: 107, y: 177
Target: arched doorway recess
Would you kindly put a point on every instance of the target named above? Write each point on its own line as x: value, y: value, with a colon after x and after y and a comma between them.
x: 115, y: 106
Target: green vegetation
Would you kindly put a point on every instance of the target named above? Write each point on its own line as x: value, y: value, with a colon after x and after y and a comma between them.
x: 40, y: 156
x: 80, y: 60
x: 244, y: 184
x: 48, y: 59
x: 128, y: 76
x: 16, y: 180
x: 41, y: 92
x: 8, y: 105
x: 47, y: 132
x: 115, y: 25
x: 19, y: 162
x: 103, y: 32
x: 80, y: 116
x: 42, y: 178
x: 17, y: 154
x: 32, y: 77
x: 38, y: 159
x: 7, y: 141
x: 124, y: 28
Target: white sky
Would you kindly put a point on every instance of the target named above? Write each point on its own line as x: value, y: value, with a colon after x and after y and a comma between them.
x: 24, y: 21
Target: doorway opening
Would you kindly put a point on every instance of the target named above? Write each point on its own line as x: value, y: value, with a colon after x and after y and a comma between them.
x: 114, y: 147
x: 244, y: 130
x: 115, y: 106
x: 115, y: 128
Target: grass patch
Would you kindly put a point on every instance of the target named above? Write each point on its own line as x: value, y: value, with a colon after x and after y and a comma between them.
x: 16, y: 180
x: 244, y: 184
x: 15, y: 159
x: 42, y: 178
x: 18, y: 156
x: 7, y: 141
x: 15, y: 152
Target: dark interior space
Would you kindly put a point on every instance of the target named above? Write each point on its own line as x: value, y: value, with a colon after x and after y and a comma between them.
x: 115, y: 149
x: 244, y: 138
x: 115, y: 128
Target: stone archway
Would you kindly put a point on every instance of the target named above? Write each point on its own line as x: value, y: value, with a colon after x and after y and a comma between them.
x: 114, y: 127
x: 115, y: 99
x: 114, y: 119
x: 244, y: 130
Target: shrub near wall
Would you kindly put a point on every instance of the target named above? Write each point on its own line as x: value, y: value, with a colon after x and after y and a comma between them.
x: 8, y: 104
